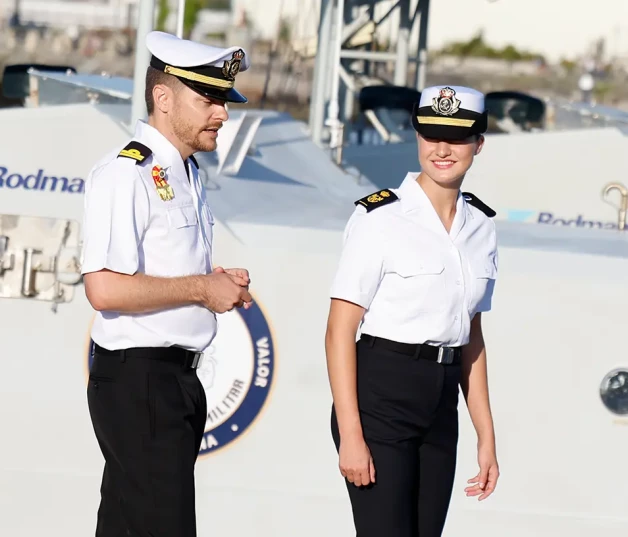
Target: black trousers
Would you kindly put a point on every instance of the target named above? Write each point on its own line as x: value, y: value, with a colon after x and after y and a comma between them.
x: 409, y: 413
x: 149, y: 418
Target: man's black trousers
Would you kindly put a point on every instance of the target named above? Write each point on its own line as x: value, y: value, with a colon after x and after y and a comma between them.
x: 409, y: 413
x: 149, y: 418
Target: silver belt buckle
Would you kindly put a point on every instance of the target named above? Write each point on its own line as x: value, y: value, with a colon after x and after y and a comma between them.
x: 445, y: 355
x: 198, y: 360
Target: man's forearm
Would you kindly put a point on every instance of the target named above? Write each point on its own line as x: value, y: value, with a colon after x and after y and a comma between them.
x: 475, y: 389
x: 111, y: 291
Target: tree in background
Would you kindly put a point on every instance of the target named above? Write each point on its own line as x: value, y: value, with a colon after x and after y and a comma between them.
x: 163, y: 11
x: 476, y: 47
x: 218, y: 5
x: 192, y: 7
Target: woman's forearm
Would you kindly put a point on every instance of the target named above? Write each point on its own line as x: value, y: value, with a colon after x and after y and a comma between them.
x: 475, y: 387
x: 342, y: 368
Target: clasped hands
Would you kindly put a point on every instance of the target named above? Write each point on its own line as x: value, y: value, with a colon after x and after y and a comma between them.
x: 227, y: 289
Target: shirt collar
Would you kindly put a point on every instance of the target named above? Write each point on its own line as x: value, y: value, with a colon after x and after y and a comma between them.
x: 413, y: 198
x: 165, y: 154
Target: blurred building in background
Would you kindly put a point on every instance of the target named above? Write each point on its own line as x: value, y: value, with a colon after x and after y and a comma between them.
x: 561, y: 29
x: 86, y: 14
x: 487, y: 44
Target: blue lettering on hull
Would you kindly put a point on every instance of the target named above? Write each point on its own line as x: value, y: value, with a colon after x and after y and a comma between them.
x: 40, y: 181
x: 549, y: 218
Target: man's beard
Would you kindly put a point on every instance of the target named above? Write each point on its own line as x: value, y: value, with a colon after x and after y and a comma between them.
x: 190, y: 136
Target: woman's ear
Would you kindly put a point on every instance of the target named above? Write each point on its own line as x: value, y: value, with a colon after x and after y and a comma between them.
x: 480, y: 144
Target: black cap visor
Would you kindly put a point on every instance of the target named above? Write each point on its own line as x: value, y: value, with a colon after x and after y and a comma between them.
x: 231, y: 95
x: 435, y: 126
x: 210, y: 73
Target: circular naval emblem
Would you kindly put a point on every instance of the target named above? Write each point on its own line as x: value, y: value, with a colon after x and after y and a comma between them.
x: 237, y: 373
x: 445, y: 106
x: 614, y: 391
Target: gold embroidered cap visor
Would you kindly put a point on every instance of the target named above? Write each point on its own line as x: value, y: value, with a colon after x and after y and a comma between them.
x: 206, y: 80
x: 460, y: 126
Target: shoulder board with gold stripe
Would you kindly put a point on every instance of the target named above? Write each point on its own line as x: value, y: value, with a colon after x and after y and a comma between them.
x: 377, y: 199
x: 472, y: 199
x: 136, y: 151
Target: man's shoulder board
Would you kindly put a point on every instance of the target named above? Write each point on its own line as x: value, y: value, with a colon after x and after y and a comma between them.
x: 136, y: 151
x: 377, y: 199
x: 472, y: 199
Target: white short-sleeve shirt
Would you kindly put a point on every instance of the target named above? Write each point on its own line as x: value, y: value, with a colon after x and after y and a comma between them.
x: 417, y: 282
x: 129, y: 227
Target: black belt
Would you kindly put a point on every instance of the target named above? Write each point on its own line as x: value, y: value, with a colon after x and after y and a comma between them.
x: 187, y: 359
x: 440, y: 355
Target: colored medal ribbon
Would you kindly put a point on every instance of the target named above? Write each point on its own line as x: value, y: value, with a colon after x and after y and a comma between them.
x: 163, y: 188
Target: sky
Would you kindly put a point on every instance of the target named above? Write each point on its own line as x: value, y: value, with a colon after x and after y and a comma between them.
x: 555, y: 28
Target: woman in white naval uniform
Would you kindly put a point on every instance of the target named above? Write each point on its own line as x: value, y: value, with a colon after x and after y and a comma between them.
x: 417, y: 270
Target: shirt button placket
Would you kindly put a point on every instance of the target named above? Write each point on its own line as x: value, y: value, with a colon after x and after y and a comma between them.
x: 460, y: 288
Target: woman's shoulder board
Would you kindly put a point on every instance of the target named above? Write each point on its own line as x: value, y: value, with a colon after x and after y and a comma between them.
x: 472, y: 199
x: 377, y: 199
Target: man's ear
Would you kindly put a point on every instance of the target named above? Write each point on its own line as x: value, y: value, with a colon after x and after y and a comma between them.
x: 163, y: 98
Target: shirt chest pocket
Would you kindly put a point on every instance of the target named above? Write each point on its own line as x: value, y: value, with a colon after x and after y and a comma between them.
x: 208, y: 218
x: 420, y: 283
x: 182, y: 217
x: 483, y: 273
x: 207, y: 215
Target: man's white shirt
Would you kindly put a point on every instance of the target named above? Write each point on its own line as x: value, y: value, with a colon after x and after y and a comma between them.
x: 129, y: 228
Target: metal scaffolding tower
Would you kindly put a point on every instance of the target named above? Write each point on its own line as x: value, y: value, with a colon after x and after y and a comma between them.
x: 342, y: 68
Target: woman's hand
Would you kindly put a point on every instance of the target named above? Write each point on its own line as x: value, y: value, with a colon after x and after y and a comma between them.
x: 485, y: 482
x: 356, y: 462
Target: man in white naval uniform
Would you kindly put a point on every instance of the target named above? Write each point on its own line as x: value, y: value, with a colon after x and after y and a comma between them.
x: 147, y: 262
